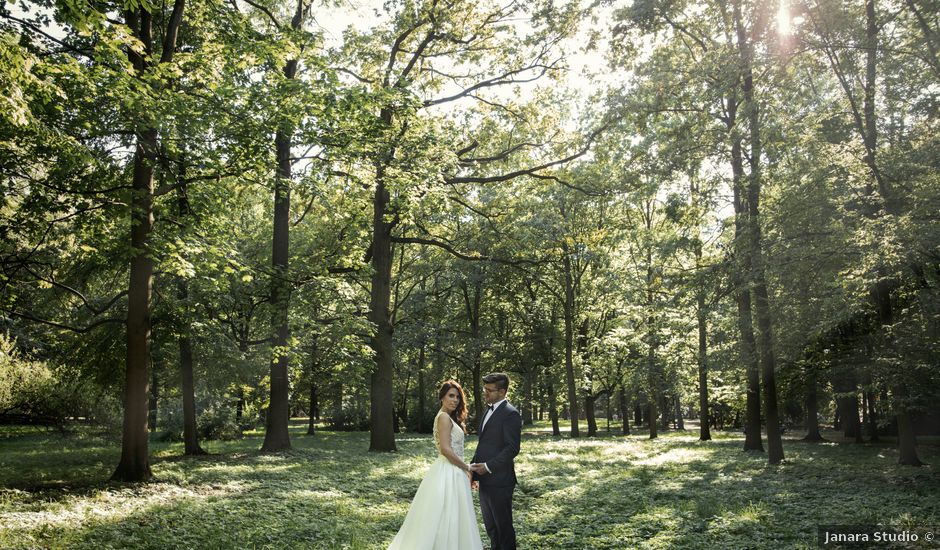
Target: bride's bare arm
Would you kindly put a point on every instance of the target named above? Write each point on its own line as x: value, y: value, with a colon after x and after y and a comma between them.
x: 444, y: 426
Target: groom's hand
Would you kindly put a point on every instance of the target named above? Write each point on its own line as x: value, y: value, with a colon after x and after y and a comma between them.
x: 478, y: 469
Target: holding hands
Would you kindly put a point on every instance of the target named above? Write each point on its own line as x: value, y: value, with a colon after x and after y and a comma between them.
x: 479, y: 469
x: 472, y: 469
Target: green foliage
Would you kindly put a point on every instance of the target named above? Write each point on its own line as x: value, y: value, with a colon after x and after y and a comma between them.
x: 33, y: 391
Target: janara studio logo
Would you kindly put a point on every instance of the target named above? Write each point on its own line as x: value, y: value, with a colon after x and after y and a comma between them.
x: 862, y: 535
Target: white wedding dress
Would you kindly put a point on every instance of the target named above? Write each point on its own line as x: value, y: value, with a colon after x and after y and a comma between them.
x: 441, y: 516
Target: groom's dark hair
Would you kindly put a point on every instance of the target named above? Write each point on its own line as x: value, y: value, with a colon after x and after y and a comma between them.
x: 499, y: 378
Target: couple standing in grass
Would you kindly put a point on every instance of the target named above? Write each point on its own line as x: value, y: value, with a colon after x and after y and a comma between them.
x: 441, y: 516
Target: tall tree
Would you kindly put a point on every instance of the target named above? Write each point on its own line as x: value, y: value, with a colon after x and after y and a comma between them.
x: 134, y: 464
x: 745, y: 43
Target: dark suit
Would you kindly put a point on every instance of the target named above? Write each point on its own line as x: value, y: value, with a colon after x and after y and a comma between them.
x: 497, y: 448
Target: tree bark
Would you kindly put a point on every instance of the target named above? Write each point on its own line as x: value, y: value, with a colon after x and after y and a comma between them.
x: 705, y: 418
x: 569, y: 312
x: 553, y: 409
x: 680, y: 422
x: 313, y: 413
x: 652, y: 414
x: 473, y: 305
x: 276, y: 435
x: 528, y: 398
x: 624, y: 411
x: 240, y: 404
x: 812, y: 410
x: 872, y: 424
x: 907, y: 441
x: 422, y: 391
x: 702, y: 356
x: 547, y: 374
x: 590, y: 414
x: 154, y: 398
x: 134, y: 464
x: 190, y: 436
x: 748, y: 345
x: 758, y: 280
x: 339, y: 414
x: 312, y: 420
x: 382, y: 428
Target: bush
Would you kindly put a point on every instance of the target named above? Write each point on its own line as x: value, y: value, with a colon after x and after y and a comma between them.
x: 33, y: 392
x: 217, y: 421
x: 214, y: 420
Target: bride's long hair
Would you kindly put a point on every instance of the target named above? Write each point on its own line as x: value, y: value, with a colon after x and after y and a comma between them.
x: 460, y: 413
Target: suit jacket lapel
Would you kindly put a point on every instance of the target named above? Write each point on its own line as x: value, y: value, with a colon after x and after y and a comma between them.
x: 490, y: 421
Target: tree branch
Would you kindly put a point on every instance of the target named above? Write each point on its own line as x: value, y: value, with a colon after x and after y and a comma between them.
x: 80, y: 330
x: 462, y: 256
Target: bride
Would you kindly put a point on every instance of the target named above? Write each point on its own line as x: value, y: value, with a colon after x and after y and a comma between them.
x: 442, y: 514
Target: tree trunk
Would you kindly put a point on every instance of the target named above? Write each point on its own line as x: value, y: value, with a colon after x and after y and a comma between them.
x: 553, y: 409
x: 609, y: 411
x: 528, y: 398
x: 624, y: 411
x: 589, y: 413
x: 135, y: 461
x: 652, y: 415
x: 313, y: 371
x: 812, y: 410
x: 907, y: 441
x: 276, y: 436
x: 313, y: 414
x: 190, y: 436
x: 702, y: 321
x: 154, y: 398
x: 752, y: 433
x: 680, y: 423
x: 240, y: 405
x: 761, y: 295
x: 422, y: 392
x: 872, y: 424
x: 845, y: 383
x: 705, y: 417
x: 472, y: 305
x: 850, y: 412
x: 382, y: 428
x: 652, y: 336
x: 569, y: 344
x: 134, y: 464
x: 666, y: 417
x: 339, y: 414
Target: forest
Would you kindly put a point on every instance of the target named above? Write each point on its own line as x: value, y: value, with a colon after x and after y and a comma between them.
x: 272, y: 228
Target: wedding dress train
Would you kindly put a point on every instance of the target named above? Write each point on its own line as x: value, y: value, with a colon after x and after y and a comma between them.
x: 442, y: 516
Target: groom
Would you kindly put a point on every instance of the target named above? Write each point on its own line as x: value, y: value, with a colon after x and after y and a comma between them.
x: 500, y: 433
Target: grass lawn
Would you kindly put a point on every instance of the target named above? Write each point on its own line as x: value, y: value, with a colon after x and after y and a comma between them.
x: 608, y: 492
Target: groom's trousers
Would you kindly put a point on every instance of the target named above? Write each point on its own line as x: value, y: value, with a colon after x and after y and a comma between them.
x: 496, y: 505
